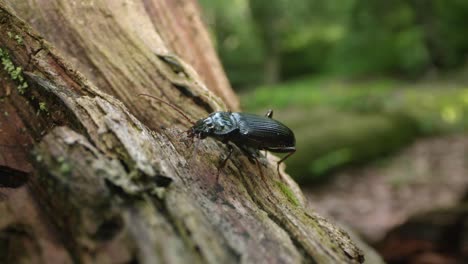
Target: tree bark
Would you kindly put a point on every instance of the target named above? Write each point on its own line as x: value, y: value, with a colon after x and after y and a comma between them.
x: 110, y: 180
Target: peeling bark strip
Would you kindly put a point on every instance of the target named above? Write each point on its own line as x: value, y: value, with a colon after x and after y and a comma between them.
x: 117, y: 185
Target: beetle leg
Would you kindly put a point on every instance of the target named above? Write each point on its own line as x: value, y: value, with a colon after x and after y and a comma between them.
x: 259, y: 168
x: 180, y: 133
x: 223, y: 163
x: 283, y: 159
x: 252, y: 154
x: 269, y: 114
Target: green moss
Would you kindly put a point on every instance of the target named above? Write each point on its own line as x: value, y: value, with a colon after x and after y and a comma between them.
x: 288, y: 192
x: 15, y: 73
x: 22, y: 87
x: 43, y: 107
x: 19, y: 39
x: 64, y: 166
x: 39, y: 158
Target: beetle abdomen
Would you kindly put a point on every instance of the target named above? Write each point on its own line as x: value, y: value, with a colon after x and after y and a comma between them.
x: 264, y: 132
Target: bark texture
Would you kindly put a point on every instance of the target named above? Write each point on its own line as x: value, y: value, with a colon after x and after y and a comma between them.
x: 110, y: 180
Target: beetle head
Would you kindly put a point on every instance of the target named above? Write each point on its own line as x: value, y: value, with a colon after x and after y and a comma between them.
x: 202, y: 128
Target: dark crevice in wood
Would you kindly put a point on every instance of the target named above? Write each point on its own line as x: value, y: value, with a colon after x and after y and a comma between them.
x: 12, y: 178
x: 17, y: 243
x: 180, y: 230
x: 108, y: 229
x: 162, y: 181
x: 299, y: 246
x: 196, y: 99
x: 118, y: 190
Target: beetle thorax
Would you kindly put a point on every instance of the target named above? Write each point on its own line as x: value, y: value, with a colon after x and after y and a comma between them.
x: 215, y: 124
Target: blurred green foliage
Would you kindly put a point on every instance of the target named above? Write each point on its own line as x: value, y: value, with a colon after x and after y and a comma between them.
x: 356, y: 106
x: 436, y: 106
x: 341, y: 122
x: 258, y: 38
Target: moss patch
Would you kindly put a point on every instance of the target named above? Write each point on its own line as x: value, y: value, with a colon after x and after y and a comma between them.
x: 288, y: 193
x: 15, y: 73
x: 19, y: 39
x: 43, y: 107
x: 65, y: 167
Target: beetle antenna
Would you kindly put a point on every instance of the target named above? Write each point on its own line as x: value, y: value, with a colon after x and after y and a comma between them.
x: 171, y: 105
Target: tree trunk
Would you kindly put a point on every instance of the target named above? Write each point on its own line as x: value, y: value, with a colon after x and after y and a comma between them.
x: 426, y: 19
x: 266, y: 17
x: 110, y: 180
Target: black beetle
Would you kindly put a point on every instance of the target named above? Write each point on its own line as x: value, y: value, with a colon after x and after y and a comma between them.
x: 249, y: 132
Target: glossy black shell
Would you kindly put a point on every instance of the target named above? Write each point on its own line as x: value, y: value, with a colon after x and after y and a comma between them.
x: 263, y: 132
x: 247, y: 130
